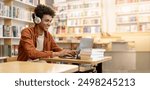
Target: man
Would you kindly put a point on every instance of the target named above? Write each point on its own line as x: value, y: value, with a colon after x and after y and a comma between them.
x: 36, y: 42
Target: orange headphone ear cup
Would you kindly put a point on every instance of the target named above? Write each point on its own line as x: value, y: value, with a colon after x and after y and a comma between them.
x: 36, y: 19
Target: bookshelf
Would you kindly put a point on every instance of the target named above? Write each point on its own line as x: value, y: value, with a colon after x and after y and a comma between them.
x: 78, y: 18
x: 14, y: 16
x: 133, y: 15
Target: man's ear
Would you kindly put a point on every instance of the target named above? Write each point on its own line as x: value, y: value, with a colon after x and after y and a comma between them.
x: 36, y: 19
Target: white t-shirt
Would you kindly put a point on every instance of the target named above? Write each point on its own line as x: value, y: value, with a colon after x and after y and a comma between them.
x: 40, y: 41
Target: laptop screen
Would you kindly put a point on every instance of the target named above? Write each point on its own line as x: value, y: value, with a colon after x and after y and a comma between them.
x: 85, y: 43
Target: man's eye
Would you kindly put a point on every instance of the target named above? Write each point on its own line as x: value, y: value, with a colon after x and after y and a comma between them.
x: 47, y: 20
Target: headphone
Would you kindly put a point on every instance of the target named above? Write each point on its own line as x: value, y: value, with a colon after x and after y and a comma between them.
x: 36, y: 19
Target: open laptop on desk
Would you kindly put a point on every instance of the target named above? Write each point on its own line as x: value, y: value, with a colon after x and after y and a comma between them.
x: 85, y: 43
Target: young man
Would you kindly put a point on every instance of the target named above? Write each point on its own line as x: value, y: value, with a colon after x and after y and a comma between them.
x: 36, y: 42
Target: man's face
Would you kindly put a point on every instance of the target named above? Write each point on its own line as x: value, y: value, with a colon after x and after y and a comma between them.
x: 45, y: 22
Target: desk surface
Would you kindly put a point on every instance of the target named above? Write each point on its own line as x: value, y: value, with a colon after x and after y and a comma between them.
x: 35, y: 67
x: 79, y: 61
x: 1, y: 58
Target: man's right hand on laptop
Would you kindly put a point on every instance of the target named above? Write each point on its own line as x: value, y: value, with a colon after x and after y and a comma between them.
x: 65, y: 52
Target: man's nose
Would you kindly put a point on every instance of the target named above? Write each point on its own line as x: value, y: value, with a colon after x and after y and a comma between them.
x: 49, y: 23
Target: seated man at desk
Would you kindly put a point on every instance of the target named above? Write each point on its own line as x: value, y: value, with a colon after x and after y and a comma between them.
x: 36, y: 42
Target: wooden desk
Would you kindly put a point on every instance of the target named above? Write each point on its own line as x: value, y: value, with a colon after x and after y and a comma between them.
x: 35, y: 67
x: 78, y: 61
x: 93, y: 62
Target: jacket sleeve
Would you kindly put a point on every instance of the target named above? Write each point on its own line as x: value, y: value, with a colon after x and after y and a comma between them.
x: 29, y: 47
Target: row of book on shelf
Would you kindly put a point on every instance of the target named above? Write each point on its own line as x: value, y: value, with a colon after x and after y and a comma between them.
x: 79, y: 15
x: 136, y: 8
x: 129, y: 1
x: 125, y: 1
x: 15, y: 12
x: 79, y: 5
x: 84, y: 13
x: 126, y: 19
x: 117, y: 1
x: 134, y: 28
x: 78, y: 30
x: 127, y: 28
x: 60, y: 23
x: 84, y: 5
x: 7, y: 50
x: 133, y: 18
x: 5, y: 10
x: 80, y: 22
x: 10, y: 31
x: 96, y: 29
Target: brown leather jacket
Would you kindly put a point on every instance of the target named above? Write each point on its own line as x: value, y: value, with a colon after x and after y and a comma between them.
x: 27, y: 46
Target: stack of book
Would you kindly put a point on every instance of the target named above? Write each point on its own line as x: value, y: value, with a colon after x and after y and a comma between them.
x: 97, y: 53
x: 85, y: 54
x: 94, y: 54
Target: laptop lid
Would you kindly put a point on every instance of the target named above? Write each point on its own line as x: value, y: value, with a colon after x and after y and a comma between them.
x: 85, y: 43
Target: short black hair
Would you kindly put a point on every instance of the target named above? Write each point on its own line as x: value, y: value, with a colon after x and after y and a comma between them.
x: 41, y: 10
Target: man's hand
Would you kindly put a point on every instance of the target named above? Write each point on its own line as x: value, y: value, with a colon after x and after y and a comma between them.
x: 65, y: 52
x: 68, y: 52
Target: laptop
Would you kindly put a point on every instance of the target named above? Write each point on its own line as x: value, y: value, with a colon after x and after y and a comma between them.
x: 85, y: 43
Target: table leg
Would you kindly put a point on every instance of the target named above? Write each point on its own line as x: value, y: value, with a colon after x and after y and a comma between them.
x: 99, y: 68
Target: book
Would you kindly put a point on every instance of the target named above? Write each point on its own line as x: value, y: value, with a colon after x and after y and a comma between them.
x: 1, y: 30
x: 5, y: 11
x: 77, y: 30
x: 1, y: 51
x: 7, y: 31
x: 1, y: 8
x: 6, y: 50
x: 95, y: 21
x: 15, y: 31
x: 95, y: 29
x: 86, y: 29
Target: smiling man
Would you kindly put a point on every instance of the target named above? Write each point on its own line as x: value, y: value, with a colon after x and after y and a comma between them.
x: 36, y: 42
